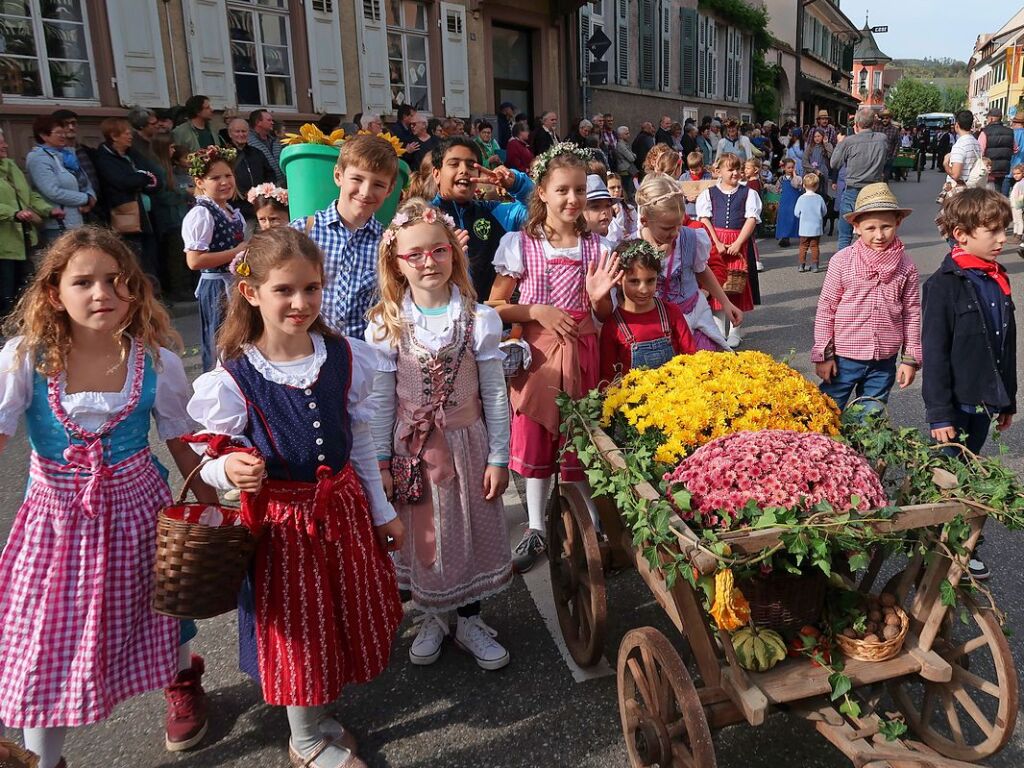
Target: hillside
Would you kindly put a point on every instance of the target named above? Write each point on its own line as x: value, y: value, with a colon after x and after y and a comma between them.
x: 933, y: 69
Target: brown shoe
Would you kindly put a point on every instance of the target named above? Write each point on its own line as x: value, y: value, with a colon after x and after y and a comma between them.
x: 329, y: 725
x: 186, y: 722
x: 297, y: 760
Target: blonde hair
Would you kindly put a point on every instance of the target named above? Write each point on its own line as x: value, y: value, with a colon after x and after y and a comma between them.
x: 811, y: 180
x: 662, y: 159
x: 392, y: 283
x: 267, y: 250
x: 47, y: 329
x: 728, y: 161
x: 537, y: 211
x: 695, y: 160
x: 660, y: 195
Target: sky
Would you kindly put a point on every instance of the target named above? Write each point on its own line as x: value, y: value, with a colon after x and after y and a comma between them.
x: 922, y: 28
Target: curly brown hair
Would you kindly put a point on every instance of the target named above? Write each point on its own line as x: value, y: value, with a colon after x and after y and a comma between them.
x: 47, y: 330
x: 973, y: 208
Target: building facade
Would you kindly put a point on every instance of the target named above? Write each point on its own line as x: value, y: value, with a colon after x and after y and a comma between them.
x: 668, y: 57
x: 997, y: 70
x: 869, y: 82
x: 299, y: 58
x: 813, y: 46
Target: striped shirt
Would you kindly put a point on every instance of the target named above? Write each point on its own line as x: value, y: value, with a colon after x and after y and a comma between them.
x: 350, y: 263
x: 870, y: 306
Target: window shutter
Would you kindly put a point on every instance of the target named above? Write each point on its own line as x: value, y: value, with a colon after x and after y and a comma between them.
x: 622, y: 42
x: 209, y: 51
x: 647, y: 49
x: 138, y: 53
x: 323, y: 35
x: 374, y: 77
x: 666, y: 44
x: 712, y: 59
x: 455, y: 58
x: 584, y: 59
x: 688, y: 51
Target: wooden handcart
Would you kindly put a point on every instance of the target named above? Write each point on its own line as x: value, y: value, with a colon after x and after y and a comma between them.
x: 908, y: 160
x: 954, y: 680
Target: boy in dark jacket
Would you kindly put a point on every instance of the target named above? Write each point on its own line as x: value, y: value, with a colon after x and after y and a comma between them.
x: 969, y: 334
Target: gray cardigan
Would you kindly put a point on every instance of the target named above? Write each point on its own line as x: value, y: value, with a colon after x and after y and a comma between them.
x: 57, y: 185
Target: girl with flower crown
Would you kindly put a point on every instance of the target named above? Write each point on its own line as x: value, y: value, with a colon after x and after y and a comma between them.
x: 213, y: 233
x: 562, y: 278
x: 441, y: 423
x: 270, y: 205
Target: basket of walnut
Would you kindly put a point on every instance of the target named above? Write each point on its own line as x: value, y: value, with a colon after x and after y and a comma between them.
x: 880, y: 633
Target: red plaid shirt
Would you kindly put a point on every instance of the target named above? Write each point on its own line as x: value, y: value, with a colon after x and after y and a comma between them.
x: 870, y: 306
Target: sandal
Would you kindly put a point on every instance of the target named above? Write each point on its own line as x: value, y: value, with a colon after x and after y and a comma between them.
x: 297, y: 760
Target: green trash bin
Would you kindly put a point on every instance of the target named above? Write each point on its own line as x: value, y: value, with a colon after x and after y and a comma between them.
x: 309, y: 169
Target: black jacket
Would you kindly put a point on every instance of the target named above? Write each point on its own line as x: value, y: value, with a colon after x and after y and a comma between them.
x: 541, y: 141
x: 998, y: 148
x: 960, y: 365
x: 122, y: 181
x: 251, y: 170
x: 642, y: 144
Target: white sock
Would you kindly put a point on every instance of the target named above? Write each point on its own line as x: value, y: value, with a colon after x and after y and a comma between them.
x: 185, y: 656
x: 48, y: 743
x: 304, y: 723
x: 538, y: 491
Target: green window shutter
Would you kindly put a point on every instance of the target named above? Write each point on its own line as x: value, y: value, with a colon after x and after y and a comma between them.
x: 688, y: 51
x: 648, y: 50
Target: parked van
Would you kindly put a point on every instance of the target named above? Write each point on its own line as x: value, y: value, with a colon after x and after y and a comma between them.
x: 935, y: 120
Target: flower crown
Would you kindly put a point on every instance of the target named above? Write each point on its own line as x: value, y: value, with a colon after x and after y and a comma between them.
x: 638, y: 249
x: 199, y: 162
x: 429, y: 216
x: 268, y: 190
x: 540, y: 165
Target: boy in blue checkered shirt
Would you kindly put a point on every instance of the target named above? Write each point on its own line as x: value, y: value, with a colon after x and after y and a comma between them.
x: 348, y: 233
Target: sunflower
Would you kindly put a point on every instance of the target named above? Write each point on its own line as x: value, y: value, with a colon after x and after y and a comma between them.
x: 311, y: 134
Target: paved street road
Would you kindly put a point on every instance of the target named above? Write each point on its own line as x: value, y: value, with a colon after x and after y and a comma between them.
x: 535, y: 712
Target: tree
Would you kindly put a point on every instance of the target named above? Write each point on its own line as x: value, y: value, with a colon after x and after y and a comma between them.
x: 953, y: 99
x: 910, y: 98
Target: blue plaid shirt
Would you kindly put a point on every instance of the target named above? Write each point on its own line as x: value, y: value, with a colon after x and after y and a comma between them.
x: 350, y: 263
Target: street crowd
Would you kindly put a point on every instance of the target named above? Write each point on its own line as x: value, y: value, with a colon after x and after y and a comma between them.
x: 369, y: 386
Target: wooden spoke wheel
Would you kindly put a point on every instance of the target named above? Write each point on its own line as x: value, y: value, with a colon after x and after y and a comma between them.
x: 577, y: 575
x: 663, y: 720
x: 973, y: 716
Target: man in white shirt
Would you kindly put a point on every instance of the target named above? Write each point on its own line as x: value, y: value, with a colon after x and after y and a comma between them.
x: 965, y: 152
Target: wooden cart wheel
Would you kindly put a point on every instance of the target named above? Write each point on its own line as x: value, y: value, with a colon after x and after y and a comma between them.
x: 663, y: 721
x: 577, y: 575
x: 973, y: 716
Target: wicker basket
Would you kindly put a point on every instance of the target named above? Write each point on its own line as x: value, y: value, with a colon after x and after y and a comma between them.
x: 783, y: 602
x: 880, y: 651
x: 199, y: 567
x: 13, y: 756
x: 736, y: 281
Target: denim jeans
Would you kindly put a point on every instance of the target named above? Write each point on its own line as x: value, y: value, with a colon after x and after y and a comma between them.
x: 846, y: 203
x: 1008, y: 183
x: 212, y: 309
x: 863, y: 378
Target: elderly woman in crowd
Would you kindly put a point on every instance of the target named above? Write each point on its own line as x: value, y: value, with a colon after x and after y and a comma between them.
x: 124, y: 188
x: 22, y: 210
x: 60, y: 187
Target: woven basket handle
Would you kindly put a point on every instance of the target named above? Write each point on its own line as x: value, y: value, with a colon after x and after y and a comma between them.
x: 216, y: 446
x: 187, y: 485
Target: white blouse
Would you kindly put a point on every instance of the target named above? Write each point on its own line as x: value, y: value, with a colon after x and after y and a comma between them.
x: 752, y: 210
x: 434, y: 332
x: 219, y: 407
x: 90, y: 410
x: 197, y: 227
x: 508, y: 259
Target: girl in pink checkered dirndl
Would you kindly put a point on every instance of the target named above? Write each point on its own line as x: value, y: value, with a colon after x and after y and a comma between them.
x: 90, y: 370
x: 563, y: 278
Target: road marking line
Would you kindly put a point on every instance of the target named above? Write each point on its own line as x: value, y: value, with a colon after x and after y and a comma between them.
x: 538, y: 582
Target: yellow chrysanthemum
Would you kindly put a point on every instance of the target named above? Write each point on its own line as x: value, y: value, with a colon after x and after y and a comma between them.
x: 694, y: 399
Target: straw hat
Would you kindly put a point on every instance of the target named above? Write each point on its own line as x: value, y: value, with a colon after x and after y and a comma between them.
x: 876, y: 198
x: 823, y: 113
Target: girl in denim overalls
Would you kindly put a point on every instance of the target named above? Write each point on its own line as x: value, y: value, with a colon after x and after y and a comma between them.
x: 644, y: 331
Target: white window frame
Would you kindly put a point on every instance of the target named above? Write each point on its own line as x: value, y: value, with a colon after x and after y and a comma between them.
x: 877, y: 81
x: 406, y: 32
x: 255, y: 8
x: 42, y: 57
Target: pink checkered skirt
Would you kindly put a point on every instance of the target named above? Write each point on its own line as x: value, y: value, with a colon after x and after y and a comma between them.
x: 77, y: 632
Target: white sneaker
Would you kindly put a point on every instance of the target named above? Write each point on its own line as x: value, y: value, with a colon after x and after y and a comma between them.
x: 760, y: 266
x: 426, y: 648
x: 477, y: 639
x: 734, y: 339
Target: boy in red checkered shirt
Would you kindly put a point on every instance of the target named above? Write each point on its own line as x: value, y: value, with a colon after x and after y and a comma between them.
x: 867, y: 331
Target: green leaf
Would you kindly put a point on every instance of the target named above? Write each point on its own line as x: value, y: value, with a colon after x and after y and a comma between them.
x: 892, y: 729
x: 947, y: 593
x: 840, y: 684
x: 850, y: 708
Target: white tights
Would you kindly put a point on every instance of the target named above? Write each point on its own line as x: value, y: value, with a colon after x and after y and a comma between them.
x: 48, y: 743
x: 538, y: 492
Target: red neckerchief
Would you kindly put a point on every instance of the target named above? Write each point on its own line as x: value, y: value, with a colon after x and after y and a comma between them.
x: 697, y: 176
x: 993, y: 269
